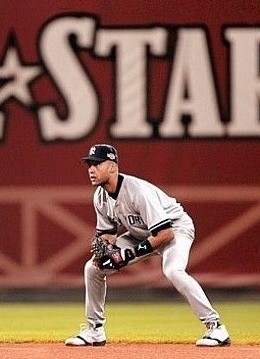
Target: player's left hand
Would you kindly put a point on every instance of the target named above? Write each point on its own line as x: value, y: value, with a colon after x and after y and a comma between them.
x: 116, y: 258
x: 110, y: 256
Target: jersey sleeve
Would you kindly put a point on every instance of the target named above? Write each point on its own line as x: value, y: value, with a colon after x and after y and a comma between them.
x: 154, y: 207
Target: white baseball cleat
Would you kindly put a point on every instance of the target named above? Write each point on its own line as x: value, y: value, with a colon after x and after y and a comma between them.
x: 94, y: 336
x: 216, y: 335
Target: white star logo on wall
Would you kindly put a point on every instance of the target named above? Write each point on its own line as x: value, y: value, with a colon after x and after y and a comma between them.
x: 16, y: 77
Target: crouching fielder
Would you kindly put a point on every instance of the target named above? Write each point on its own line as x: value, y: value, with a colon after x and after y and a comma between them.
x: 156, y: 224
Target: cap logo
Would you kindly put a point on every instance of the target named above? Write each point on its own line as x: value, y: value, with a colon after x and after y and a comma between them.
x: 111, y: 156
x: 92, y: 151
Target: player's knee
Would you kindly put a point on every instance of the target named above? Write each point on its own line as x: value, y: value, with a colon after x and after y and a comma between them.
x: 89, y: 268
x: 172, y: 269
x: 91, y: 272
x: 176, y: 276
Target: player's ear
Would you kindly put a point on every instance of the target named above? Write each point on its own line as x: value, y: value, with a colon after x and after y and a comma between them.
x: 113, y: 167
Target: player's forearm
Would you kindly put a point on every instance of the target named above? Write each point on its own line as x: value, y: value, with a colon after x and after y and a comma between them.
x: 111, y: 238
x: 147, y: 246
x: 163, y: 237
x: 116, y: 257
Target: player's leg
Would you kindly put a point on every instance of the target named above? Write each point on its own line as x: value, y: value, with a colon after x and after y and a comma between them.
x: 175, y: 260
x: 92, y: 332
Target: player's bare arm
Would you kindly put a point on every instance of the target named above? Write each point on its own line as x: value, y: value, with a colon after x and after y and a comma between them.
x: 163, y: 237
x: 111, y: 238
x: 116, y: 257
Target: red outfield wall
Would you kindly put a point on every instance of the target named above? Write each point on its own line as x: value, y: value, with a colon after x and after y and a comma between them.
x: 173, y: 85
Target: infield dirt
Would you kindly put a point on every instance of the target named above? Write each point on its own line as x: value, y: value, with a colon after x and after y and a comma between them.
x: 126, y: 351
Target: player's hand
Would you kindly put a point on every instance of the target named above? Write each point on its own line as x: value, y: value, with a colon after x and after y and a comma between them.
x: 115, y: 258
x: 108, y: 255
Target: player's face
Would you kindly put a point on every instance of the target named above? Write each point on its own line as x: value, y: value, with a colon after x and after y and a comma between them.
x: 99, y: 172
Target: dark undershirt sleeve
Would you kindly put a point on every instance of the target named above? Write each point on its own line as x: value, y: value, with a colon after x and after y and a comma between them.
x: 112, y: 231
x: 164, y: 226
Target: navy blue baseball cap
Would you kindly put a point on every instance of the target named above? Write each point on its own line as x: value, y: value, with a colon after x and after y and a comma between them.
x: 100, y: 153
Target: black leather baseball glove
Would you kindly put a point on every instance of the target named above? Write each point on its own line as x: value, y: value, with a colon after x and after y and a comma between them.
x: 109, y: 256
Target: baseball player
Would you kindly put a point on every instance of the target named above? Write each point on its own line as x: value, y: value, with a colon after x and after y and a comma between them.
x: 156, y: 224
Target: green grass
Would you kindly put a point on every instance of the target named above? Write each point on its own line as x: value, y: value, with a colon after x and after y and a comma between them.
x: 135, y: 322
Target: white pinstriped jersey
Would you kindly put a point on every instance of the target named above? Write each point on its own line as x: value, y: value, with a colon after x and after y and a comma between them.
x: 140, y: 207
